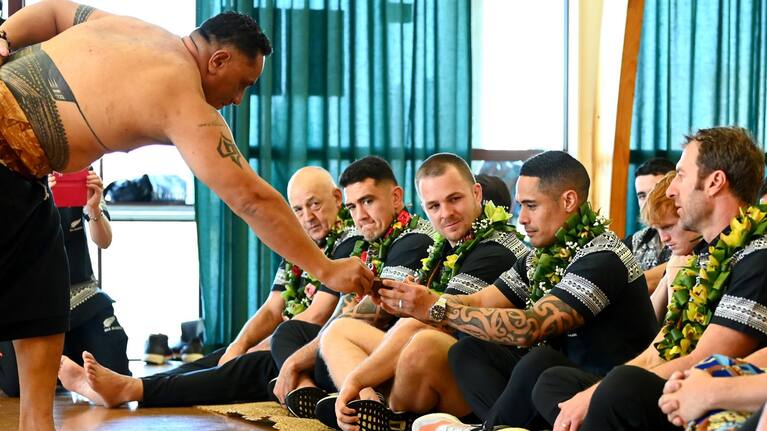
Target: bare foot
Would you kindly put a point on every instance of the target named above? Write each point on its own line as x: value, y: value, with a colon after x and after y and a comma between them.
x: 369, y: 394
x: 75, y: 379
x: 113, y: 388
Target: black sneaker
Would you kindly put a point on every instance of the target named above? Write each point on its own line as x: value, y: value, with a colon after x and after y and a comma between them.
x: 325, y: 411
x: 192, y: 351
x: 302, y: 402
x: 156, y: 350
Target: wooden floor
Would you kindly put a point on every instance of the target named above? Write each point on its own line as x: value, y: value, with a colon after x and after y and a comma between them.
x: 81, y: 416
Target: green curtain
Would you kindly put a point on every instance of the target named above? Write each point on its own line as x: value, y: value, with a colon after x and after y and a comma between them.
x: 347, y: 79
x: 702, y: 63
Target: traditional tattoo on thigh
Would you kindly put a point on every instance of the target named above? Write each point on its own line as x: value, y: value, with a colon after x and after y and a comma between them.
x: 227, y: 150
x: 82, y: 14
x: 36, y: 84
x: 548, y: 318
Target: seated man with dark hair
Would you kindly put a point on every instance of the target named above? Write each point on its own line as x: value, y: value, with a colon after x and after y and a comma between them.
x: 476, y: 245
x: 719, y: 303
x: 241, y: 371
x: 578, y: 299
x: 394, y: 244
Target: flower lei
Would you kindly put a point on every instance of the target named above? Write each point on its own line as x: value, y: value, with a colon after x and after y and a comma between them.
x: 300, y: 289
x: 549, y: 263
x: 700, y: 284
x: 375, y: 253
x: 492, y: 219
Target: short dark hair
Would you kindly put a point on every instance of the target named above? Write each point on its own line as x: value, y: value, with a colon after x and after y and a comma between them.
x: 436, y: 165
x: 238, y: 30
x: 494, y: 190
x: 558, y: 171
x: 367, y: 167
x: 733, y: 151
x: 654, y: 166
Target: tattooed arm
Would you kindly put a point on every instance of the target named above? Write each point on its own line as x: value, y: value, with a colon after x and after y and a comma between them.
x: 207, y: 146
x: 44, y: 20
x: 548, y: 318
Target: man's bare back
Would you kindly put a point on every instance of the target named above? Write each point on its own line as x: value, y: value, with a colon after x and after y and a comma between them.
x: 100, y: 60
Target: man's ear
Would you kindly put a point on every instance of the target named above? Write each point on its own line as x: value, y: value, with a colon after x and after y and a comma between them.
x: 570, y: 201
x: 338, y: 197
x: 714, y: 183
x: 218, y: 60
x: 398, y: 196
x: 478, y: 194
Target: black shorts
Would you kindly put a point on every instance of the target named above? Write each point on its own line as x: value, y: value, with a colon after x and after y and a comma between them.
x: 34, y: 273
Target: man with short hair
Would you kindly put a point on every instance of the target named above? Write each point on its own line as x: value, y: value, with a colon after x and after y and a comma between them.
x: 718, y: 176
x: 580, y: 292
x: 645, y: 243
x: 82, y: 83
x: 478, y: 246
x: 395, y: 242
x: 241, y: 371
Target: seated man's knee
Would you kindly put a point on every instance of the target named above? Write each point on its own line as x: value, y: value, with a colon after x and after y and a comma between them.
x: 422, y: 353
x: 338, y: 331
x: 620, y: 387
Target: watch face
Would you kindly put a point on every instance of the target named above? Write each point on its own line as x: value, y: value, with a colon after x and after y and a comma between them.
x: 437, y: 312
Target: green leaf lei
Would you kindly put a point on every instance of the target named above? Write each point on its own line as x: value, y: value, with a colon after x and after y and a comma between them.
x: 298, y: 294
x: 549, y: 263
x: 374, y: 253
x: 698, y: 286
x: 493, y: 219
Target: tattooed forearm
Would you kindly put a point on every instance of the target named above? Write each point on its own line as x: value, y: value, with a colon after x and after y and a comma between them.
x: 227, y: 150
x: 548, y: 318
x: 82, y: 14
x: 366, y: 310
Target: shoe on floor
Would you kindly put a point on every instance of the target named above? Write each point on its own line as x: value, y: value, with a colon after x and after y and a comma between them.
x: 156, y: 350
x: 192, y: 351
x: 270, y: 390
x: 302, y: 402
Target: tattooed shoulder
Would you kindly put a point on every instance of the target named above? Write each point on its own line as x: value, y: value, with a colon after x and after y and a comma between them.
x: 82, y: 13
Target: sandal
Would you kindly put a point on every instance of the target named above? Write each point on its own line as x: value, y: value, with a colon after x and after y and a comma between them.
x: 302, y: 402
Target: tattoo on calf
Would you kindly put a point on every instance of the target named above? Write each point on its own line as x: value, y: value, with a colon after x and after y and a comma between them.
x: 227, y: 150
x: 82, y: 14
x: 36, y: 84
x: 548, y: 318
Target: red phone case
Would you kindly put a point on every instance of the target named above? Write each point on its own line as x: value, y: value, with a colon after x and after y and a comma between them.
x: 70, y: 189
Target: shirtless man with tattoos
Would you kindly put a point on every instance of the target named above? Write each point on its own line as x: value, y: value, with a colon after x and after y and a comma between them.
x: 77, y: 83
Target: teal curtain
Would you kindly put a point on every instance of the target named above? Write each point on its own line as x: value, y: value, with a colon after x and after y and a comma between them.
x: 702, y: 63
x: 347, y: 79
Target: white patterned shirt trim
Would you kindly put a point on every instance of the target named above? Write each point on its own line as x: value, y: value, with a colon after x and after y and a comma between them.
x: 396, y: 272
x: 423, y: 227
x: 743, y: 311
x: 609, y: 242
x: 347, y: 233
x: 515, y: 283
x: 508, y: 240
x: 753, y: 246
x: 466, y: 283
x: 280, y: 278
x: 585, y: 291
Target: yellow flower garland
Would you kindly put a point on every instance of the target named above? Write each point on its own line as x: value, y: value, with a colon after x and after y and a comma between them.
x: 698, y: 286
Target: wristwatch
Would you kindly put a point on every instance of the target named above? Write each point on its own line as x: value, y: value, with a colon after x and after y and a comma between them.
x: 437, y: 311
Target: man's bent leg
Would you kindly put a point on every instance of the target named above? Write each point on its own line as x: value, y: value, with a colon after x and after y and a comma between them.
x: 291, y: 336
x: 38, y: 362
x: 345, y: 344
x: 482, y: 369
x: 423, y: 380
x: 559, y: 384
x: 627, y: 399
x: 515, y: 405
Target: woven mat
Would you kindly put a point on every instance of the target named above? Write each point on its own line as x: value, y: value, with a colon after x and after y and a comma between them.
x: 269, y: 413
